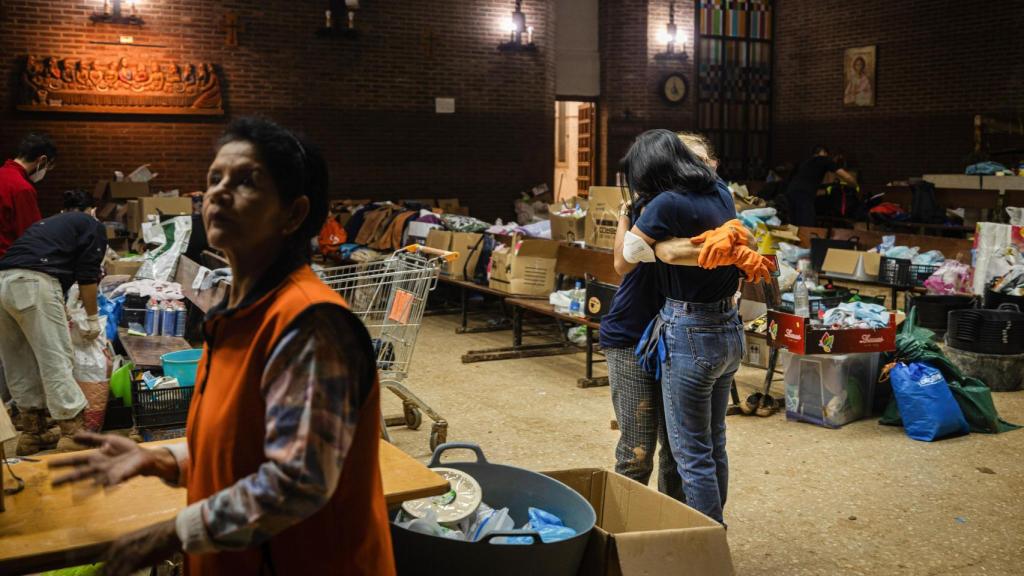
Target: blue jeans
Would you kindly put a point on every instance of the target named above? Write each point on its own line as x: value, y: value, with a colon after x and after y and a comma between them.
x: 705, y: 343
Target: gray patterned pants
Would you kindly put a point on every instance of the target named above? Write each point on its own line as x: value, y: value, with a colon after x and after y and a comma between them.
x: 636, y: 397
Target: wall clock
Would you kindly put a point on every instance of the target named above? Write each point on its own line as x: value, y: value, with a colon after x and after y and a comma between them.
x: 674, y: 88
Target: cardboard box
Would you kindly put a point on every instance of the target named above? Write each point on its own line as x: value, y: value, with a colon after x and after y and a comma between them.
x: 852, y: 264
x: 793, y: 333
x: 119, y: 190
x: 467, y: 244
x: 140, y: 209
x: 565, y: 228
x: 528, y: 272
x: 603, y: 215
x: 449, y: 205
x: 125, y: 267
x: 641, y: 532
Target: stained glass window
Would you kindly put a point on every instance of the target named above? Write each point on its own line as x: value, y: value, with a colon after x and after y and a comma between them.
x: 734, y: 71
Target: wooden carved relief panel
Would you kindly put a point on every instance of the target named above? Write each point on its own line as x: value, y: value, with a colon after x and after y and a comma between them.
x: 124, y: 85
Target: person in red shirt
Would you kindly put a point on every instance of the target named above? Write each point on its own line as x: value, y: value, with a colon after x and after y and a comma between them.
x: 19, y: 208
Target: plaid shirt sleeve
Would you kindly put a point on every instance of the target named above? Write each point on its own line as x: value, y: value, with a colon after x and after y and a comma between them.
x: 314, y: 387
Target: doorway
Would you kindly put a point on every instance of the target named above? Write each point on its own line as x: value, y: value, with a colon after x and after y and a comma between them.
x: 575, y: 139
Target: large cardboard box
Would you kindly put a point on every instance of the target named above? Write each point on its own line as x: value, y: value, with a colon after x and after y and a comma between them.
x: 140, y: 209
x: 126, y: 267
x: 468, y: 246
x: 530, y: 271
x: 119, y: 190
x: 566, y: 228
x: 795, y: 334
x: 852, y: 264
x: 641, y: 532
x: 603, y: 215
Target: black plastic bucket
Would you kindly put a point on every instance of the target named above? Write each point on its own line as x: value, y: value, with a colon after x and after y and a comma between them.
x: 502, y: 486
x: 933, y: 309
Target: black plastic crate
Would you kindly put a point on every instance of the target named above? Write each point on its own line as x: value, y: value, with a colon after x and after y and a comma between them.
x: 817, y: 305
x: 132, y: 315
x: 921, y: 272
x: 894, y: 271
x: 160, y: 408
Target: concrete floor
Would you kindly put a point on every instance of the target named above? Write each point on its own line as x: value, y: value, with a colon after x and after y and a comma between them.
x: 864, y: 499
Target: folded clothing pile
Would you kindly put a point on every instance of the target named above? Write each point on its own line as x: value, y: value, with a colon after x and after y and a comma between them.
x: 857, y: 315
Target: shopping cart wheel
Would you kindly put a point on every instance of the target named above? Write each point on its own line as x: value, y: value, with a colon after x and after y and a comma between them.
x: 413, y: 416
x: 438, y: 435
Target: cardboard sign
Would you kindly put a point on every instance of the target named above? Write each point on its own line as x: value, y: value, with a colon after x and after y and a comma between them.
x: 603, y: 215
x: 793, y: 333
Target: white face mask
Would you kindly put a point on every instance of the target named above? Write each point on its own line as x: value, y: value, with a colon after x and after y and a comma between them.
x: 38, y: 175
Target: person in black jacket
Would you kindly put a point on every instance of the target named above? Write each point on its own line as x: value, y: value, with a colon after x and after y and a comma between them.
x: 803, y: 188
x: 35, y: 345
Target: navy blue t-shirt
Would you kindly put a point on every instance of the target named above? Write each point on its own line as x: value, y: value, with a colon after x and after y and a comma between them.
x: 635, y: 303
x: 685, y: 215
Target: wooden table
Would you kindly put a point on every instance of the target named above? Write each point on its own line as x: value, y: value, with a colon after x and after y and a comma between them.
x: 145, y: 351
x: 46, y: 528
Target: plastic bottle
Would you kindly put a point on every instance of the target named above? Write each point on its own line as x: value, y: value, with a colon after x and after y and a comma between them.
x: 801, y: 298
x: 576, y: 300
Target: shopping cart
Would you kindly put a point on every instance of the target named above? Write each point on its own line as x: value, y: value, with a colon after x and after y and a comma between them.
x: 389, y: 296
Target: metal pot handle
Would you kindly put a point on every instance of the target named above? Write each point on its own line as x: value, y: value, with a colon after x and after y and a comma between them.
x: 435, y: 460
x: 512, y: 533
x: 1009, y: 306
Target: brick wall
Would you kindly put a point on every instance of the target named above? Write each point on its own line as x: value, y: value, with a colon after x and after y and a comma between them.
x: 631, y: 78
x: 939, y: 64
x: 368, y: 103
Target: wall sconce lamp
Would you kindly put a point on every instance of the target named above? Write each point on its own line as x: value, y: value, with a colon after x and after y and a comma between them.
x: 114, y: 15
x: 515, y: 26
x: 673, y: 38
x: 348, y: 29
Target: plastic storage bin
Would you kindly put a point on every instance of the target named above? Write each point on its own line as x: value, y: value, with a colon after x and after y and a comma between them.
x: 182, y: 365
x: 830, y: 390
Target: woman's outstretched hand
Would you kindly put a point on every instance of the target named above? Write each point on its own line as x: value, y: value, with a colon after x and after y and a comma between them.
x: 115, y: 460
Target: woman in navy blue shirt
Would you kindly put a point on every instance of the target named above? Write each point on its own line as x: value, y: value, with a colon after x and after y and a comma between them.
x: 702, y: 331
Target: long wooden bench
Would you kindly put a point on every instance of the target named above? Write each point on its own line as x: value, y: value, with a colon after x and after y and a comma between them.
x: 573, y: 262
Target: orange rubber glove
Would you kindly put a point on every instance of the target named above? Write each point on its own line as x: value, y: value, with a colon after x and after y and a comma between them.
x: 717, y: 245
x: 755, y: 267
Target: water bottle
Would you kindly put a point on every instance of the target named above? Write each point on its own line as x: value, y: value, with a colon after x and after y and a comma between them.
x: 801, y: 298
x: 576, y: 300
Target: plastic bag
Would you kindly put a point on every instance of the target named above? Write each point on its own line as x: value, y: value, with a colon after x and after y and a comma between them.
x: 161, y: 261
x: 429, y: 525
x: 488, y: 520
x: 90, y: 368
x: 549, y: 526
x: 951, y: 278
x: 111, y: 308
x: 926, y: 405
x: 791, y: 254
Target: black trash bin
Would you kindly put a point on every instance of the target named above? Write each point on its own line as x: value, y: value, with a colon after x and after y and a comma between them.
x: 502, y: 486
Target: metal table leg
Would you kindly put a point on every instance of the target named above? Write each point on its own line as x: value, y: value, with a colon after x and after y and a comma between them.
x: 517, y: 326
x: 464, y: 297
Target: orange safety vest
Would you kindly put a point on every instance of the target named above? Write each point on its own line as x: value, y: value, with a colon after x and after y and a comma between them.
x: 226, y: 429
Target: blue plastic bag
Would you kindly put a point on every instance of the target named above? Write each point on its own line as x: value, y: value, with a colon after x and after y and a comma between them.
x: 112, y: 309
x: 549, y: 526
x: 926, y: 405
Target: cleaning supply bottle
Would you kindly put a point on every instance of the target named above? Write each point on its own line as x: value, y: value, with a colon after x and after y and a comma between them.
x: 801, y: 298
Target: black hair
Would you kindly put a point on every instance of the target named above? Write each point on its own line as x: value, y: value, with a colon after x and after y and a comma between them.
x: 819, y: 149
x: 78, y: 200
x: 35, y: 145
x: 658, y: 162
x: 296, y: 168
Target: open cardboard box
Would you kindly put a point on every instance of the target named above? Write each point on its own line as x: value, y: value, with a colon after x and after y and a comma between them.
x: 119, y: 190
x: 140, y: 209
x: 468, y: 246
x: 603, y: 215
x: 641, y: 532
x: 528, y: 271
x: 566, y: 228
x: 793, y: 333
x: 852, y: 264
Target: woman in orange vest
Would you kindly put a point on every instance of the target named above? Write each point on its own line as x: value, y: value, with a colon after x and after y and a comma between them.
x: 280, y: 460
